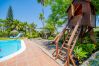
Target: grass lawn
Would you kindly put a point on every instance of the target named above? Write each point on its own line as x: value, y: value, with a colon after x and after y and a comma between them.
x: 3, y: 38
x: 96, y: 29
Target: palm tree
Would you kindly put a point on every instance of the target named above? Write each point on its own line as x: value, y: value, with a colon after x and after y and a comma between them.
x: 19, y: 26
x: 25, y: 26
x: 42, y: 3
x: 41, y: 17
x: 33, y: 26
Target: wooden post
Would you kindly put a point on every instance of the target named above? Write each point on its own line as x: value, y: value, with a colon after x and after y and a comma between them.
x: 67, y: 58
x: 56, y: 50
x: 72, y: 9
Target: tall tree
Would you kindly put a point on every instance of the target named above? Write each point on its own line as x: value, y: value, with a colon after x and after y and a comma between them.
x: 41, y: 17
x: 9, y: 22
x: 31, y: 28
x: 10, y: 14
x: 42, y: 3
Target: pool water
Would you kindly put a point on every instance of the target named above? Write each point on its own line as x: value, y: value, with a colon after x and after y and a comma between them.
x: 8, y: 47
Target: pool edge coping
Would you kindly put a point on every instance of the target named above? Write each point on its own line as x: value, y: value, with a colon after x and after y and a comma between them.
x: 23, y: 47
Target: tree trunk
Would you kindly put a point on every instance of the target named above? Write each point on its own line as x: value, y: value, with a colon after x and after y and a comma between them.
x: 92, y: 36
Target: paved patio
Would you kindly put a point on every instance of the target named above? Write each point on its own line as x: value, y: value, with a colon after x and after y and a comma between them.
x: 32, y: 56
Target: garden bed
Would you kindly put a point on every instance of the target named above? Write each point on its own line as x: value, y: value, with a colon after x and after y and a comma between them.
x: 90, y: 49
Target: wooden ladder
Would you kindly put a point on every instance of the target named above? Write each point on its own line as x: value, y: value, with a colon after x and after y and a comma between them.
x: 65, y: 52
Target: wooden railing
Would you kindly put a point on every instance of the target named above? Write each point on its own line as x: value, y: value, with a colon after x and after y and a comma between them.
x: 57, y: 38
x: 70, y: 41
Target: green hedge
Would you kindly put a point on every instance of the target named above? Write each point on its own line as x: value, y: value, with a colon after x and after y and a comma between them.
x: 50, y: 38
x: 97, y: 33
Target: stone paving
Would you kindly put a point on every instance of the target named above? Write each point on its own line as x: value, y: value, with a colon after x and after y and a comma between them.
x: 32, y: 56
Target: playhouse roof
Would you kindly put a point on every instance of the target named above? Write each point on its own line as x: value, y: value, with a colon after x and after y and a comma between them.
x: 81, y: 0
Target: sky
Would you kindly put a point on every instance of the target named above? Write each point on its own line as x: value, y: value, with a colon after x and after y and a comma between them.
x: 97, y: 20
x: 25, y: 10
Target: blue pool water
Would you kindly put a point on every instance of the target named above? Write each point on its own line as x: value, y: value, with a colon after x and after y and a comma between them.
x: 8, y: 47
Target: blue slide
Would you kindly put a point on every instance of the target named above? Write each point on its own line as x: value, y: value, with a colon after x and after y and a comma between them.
x: 18, y: 36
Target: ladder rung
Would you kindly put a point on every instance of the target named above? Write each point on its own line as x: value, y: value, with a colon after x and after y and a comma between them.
x: 63, y: 52
x: 66, y: 41
x: 65, y: 48
x: 61, y: 57
x: 67, y: 45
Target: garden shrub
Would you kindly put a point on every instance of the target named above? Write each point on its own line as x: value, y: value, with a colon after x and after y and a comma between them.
x: 97, y: 33
x: 97, y: 46
x: 28, y: 35
x: 79, y: 53
x: 4, y: 34
x: 33, y: 35
x: 50, y: 38
x: 87, y: 47
x: 1, y: 34
x: 87, y: 39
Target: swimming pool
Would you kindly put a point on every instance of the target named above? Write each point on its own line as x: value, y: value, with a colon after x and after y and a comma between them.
x: 10, y: 48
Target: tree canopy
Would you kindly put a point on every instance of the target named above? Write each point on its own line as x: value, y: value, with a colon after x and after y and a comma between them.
x: 58, y: 15
x: 96, y: 4
x: 59, y: 7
